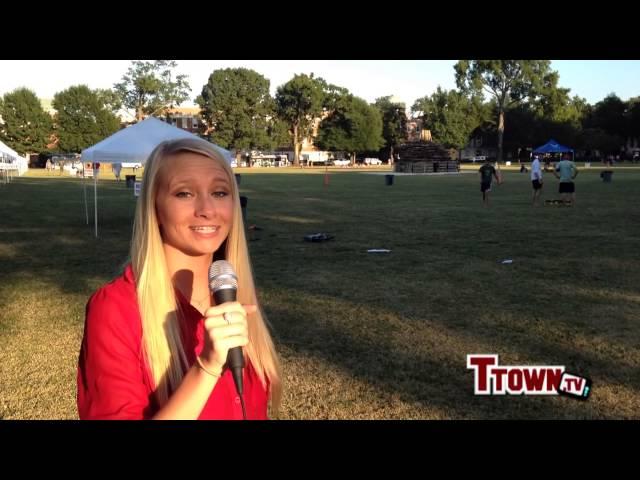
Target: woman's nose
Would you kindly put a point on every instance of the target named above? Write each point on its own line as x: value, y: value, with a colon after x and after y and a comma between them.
x: 205, y: 206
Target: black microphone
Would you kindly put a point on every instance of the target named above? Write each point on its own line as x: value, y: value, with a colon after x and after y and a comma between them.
x: 223, y: 283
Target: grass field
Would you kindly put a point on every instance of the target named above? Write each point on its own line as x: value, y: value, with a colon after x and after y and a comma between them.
x: 362, y: 336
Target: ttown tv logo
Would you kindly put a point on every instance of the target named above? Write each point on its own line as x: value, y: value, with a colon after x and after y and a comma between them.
x: 493, y: 379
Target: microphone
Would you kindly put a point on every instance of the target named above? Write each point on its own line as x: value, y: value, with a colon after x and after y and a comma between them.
x: 223, y: 283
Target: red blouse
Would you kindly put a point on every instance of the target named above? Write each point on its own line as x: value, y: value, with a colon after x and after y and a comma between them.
x: 114, y: 380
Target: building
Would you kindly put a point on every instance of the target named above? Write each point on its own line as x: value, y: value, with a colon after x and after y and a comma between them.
x: 481, y: 144
x: 186, y: 118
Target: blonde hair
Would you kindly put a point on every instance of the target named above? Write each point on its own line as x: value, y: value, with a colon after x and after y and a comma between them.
x: 159, y: 308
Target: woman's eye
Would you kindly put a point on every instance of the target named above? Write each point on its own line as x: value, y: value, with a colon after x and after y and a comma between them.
x: 183, y: 194
x: 220, y: 194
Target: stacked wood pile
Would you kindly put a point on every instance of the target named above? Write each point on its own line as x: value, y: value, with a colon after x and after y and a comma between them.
x: 424, y: 157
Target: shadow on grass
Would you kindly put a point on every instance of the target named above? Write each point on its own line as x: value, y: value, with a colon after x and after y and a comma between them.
x: 45, y: 226
x: 416, y: 377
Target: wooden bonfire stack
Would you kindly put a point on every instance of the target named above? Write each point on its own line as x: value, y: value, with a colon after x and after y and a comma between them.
x: 424, y: 157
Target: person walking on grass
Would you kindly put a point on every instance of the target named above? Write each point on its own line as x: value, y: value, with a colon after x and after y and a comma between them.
x: 487, y: 172
x: 536, y: 179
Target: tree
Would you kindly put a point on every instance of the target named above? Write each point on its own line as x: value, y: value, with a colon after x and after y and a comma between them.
x: 558, y: 114
x: 82, y: 118
x: 610, y: 115
x: 601, y: 140
x: 354, y: 126
x: 299, y: 102
x: 633, y: 113
x: 394, y: 122
x: 110, y: 99
x: 150, y: 89
x: 27, y: 127
x: 508, y: 81
x: 450, y: 115
x: 278, y: 134
x: 236, y: 104
x: 528, y: 127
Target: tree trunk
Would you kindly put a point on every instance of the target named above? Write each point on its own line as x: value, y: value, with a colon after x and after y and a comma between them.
x: 296, y: 147
x: 500, y: 134
x: 353, y: 159
x: 139, y: 114
x: 390, y: 154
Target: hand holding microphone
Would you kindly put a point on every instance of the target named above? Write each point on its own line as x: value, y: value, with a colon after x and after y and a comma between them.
x: 226, y: 323
x: 226, y: 328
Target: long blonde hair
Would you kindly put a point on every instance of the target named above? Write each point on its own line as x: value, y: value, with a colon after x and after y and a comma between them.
x: 159, y: 308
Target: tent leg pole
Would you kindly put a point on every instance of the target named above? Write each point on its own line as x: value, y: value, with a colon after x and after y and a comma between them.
x: 84, y: 188
x: 95, y: 201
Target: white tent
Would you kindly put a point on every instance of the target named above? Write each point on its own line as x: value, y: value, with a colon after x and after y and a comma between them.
x: 134, y: 144
x: 12, y: 160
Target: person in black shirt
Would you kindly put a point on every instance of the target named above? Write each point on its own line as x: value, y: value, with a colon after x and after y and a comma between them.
x: 486, y: 172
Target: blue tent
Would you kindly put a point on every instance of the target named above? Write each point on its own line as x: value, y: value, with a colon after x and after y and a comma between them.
x: 553, y: 147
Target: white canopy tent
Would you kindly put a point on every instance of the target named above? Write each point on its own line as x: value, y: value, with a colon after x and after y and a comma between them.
x: 133, y: 144
x: 12, y: 161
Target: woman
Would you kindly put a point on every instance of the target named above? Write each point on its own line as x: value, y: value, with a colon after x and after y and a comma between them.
x: 154, y: 345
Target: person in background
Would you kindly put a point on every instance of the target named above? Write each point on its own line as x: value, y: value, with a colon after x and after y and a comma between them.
x: 536, y: 179
x: 117, y: 167
x: 568, y: 172
x: 487, y: 171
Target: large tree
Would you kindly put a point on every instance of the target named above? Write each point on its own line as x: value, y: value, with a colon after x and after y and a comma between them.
x: 278, y: 134
x: 150, y: 88
x: 610, y: 114
x: 555, y: 103
x: 299, y: 102
x: 394, y: 122
x: 237, y: 106
x: 530, y: 127
x: 450, y: 115
x: 110, y: 99
x: 509, y: 82
x: 598, y: 139
x: 26, y: 126
x: 82, y: 118
x: 354, y: 126
x: 633, y: 114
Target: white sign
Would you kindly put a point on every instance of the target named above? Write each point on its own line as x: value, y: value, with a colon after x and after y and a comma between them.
x: 131, y: 165
x: 136, y: 188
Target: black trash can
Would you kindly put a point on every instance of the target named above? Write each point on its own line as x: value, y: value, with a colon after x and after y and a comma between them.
x: 606, y: 176
x: 237, y: 178
x: 388, y: 179
x: 243, y: 204
x: 131, y: 180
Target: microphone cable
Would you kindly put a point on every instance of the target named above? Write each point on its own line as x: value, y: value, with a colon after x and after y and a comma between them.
x: 244, y: 412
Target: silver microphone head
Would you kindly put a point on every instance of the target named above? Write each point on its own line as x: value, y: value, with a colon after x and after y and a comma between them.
x: 222, y: 276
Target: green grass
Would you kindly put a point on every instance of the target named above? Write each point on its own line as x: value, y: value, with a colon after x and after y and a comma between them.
x: 361, y: 336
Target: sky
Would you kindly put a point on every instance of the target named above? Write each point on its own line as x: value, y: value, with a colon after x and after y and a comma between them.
x: 406, y: 79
